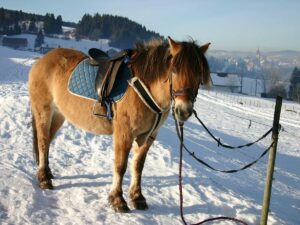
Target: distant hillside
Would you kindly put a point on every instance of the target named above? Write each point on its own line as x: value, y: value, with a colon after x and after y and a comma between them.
x: 122, y: 32
x: 10, y: 17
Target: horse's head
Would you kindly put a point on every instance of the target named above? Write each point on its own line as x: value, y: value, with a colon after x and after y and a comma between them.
x: 189, y: 69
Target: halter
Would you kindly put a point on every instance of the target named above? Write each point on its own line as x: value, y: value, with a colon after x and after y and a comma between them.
x: 185, y: 91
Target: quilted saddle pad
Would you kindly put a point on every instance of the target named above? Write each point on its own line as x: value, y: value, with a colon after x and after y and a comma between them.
x: 82, y: 81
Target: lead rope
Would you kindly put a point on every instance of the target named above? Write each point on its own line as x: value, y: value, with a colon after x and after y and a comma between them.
x: 179, y: 130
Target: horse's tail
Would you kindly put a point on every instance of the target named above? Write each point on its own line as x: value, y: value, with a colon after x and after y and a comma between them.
x: 35, y: 141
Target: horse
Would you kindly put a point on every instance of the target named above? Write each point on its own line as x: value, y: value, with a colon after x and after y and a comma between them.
x: 172, y: 71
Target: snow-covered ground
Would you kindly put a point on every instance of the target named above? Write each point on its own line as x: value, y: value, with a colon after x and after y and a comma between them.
x: 82, y: 45
x: 82, y: 163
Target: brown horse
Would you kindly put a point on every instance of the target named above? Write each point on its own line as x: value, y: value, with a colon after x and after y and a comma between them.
x: 164, y: 68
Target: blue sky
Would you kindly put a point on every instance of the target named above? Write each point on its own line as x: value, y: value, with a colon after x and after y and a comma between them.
x: 242, y: 25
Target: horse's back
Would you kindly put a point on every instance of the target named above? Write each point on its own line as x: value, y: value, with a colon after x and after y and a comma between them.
x: 58, y: 62
x: 48, y: 87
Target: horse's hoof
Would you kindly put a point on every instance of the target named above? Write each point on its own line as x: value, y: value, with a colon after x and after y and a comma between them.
x: 121, y: 209
x: 46, y: 184
x: 139, y: 205
x: 49, y: 174
x: 118, y: 204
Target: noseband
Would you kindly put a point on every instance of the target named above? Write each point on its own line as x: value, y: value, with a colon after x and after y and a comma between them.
x: 186, y: 92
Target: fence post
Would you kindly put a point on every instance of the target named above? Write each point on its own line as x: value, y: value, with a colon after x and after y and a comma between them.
x: 271, y: 163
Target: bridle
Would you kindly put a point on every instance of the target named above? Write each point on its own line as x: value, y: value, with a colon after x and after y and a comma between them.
x: 185, y: 91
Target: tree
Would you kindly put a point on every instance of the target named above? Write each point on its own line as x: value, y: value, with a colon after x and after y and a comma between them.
x: 52, y: 25
x: 294, y: 91
x: 58, y: 24
x: 2, y: 17
x: 39, y: 39
x: 17, y: 28
x: 24, y: 27
x: 277, y: 90
x: 277, y: 86
x: 49, y: 23
x: 32, y: 27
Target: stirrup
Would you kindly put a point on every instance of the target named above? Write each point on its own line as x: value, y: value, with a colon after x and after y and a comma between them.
x: 108, y: 114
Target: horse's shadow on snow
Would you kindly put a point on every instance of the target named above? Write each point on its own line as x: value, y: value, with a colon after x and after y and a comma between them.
x: 82, y: 181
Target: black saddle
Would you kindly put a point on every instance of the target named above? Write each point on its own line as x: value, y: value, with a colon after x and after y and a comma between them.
x: 108, y: 70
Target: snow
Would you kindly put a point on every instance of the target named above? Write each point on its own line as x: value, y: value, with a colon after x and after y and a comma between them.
x: 229, y: 80
x: 82, y: 45
x: 82, y: 163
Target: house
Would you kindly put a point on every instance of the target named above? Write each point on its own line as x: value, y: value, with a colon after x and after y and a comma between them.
x: 229, y: 82
x: 16, y: 43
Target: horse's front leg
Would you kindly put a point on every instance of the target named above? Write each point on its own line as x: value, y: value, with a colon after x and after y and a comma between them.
x: 137, y: 199
x: 122, y: 145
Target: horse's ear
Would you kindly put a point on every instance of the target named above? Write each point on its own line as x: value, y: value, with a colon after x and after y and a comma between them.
x: 174, y: 46
x: 204, y: 48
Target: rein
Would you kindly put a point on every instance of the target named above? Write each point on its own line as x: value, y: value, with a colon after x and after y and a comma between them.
x: 179, y: 130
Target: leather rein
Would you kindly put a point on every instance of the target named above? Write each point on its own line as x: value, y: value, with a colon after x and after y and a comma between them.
x: 187, y: 92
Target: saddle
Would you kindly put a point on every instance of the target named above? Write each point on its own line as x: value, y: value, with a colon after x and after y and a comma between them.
x: 107, y: 73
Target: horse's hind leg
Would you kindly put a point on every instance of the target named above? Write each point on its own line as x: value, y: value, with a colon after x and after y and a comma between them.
x: 42, y: 115
x: 56, y: 122
x: 137, y: 199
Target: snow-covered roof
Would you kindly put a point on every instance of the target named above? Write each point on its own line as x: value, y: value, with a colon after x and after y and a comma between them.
x: 225, y: 79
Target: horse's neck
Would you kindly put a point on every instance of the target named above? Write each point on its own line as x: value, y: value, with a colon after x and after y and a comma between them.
x: 160, y: 91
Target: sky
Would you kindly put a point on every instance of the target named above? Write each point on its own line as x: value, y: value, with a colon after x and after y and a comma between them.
x: 236, y: 25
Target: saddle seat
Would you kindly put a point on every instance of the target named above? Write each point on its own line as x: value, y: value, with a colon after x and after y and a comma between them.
x: 108, y: 70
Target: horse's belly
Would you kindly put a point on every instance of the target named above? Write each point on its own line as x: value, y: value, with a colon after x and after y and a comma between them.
x: 79, y: 111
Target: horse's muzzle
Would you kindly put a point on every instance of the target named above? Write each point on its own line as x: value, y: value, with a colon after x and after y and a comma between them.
x: 183, y: 110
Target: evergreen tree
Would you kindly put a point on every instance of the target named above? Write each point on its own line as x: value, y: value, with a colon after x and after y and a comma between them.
x: 32, y: 27
x: 21, y: 15
x: 49, y: 23
x: 17, y: 28
x: 58, y: 25
x: 39, y: 39
x: 52, y: 25
x: 2, y: 17
x: 24, y: 27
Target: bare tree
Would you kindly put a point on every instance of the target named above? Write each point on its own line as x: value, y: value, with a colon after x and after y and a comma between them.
x: 276, y: 85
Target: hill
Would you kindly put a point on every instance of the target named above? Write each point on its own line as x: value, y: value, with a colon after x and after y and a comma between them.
x: 121, y: 31
x: 9, y: 17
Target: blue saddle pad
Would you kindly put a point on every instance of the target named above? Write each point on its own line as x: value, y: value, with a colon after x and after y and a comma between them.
x: 82, y: 81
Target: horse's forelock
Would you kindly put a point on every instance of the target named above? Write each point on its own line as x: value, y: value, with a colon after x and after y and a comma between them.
x: 192, y: 62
